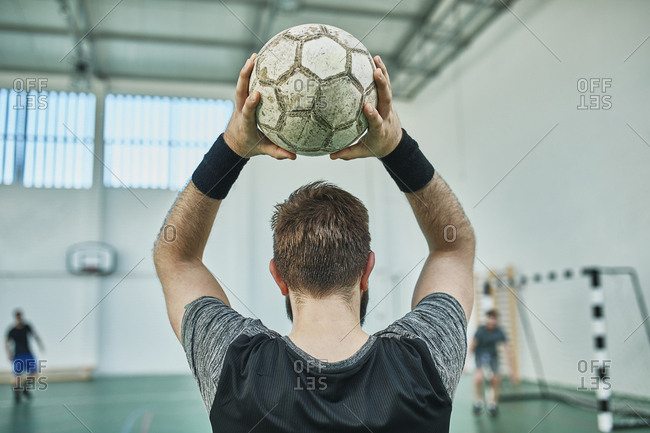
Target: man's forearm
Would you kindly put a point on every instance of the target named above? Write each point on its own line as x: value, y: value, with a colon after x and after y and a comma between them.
x: 178, y: 254
x: 436, y: 208
x: 187, y: 227
x: 449, y: 235
x: 441, y: 218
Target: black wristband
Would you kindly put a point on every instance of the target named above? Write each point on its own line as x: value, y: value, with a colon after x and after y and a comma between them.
x: 408, y: 166
x: 218, y: 171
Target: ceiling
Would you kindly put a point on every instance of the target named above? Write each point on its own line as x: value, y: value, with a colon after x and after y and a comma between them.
x: 208, y: 40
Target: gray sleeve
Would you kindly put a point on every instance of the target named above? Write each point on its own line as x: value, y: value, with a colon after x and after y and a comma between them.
x: 209, y: 326
x: 440, y: 321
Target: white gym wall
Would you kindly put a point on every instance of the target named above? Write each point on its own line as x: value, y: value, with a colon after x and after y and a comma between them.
x: 580, y: 197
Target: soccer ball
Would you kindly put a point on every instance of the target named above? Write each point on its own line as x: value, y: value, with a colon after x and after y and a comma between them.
x: 314, y: 80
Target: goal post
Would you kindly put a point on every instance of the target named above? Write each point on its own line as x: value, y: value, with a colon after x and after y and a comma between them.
x: 604, y: 403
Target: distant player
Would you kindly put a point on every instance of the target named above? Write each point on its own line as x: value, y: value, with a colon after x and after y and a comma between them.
x: 485, y: 346
x: 21, y: 356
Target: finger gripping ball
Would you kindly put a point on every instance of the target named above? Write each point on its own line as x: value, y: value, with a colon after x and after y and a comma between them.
x: 314, y: 80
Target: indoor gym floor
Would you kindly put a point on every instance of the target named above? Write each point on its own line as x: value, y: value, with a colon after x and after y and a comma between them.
x: 142, y: 404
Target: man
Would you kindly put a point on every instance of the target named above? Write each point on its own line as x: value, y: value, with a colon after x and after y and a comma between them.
x: 327, y: 375
x: 485, y: 346
x: 21, y: 356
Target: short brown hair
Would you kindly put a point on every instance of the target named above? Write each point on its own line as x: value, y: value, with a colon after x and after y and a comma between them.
x: 321, y: 240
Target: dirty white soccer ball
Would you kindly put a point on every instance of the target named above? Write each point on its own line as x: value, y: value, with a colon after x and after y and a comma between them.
x: 314, y: 80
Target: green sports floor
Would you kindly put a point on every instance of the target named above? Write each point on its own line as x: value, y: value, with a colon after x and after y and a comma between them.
x: 143, y: 404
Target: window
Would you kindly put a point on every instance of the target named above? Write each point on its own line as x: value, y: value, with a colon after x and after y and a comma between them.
x: 46, y: 139
x: 157, y: 142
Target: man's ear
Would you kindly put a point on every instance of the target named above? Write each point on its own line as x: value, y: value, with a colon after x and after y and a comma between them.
x: 278, y: 279
x: 366, y: 273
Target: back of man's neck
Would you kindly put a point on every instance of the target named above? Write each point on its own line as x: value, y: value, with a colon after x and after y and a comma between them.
x: 327, y: 329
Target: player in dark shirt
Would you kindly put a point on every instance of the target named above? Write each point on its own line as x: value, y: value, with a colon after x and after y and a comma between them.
x: 20, y: 355
x: 327, y: 375
x: 485, y: 346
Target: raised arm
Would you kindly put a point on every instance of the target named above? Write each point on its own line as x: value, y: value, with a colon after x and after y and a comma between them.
x: 449, y: 235
x: 178, y: 252
x: 449, y: 265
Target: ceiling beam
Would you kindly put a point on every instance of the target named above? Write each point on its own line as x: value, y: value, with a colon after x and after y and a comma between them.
x: 420, y: 76
x: 360, y: 12
x: 84, y: 15
x: 110, y: 36
x: 169, y: 40
x: 20, y: 69
x: 82, y: 55
x: 373, y: 13
x: 464, y: 43
x: 108, y: 76
x: 24, y: 29
x: 262, y: 27
x: 417, y: 27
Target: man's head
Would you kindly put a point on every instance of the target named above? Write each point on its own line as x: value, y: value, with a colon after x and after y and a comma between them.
x: 19, y: 316
x: 492, y: 319
x: 321, y: 244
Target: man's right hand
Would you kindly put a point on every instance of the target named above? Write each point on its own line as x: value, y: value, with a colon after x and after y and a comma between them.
x: 242, y: 134
x: 384, y: 127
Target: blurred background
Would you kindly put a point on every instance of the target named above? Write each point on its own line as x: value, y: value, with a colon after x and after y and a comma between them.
x: 535, y: 112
